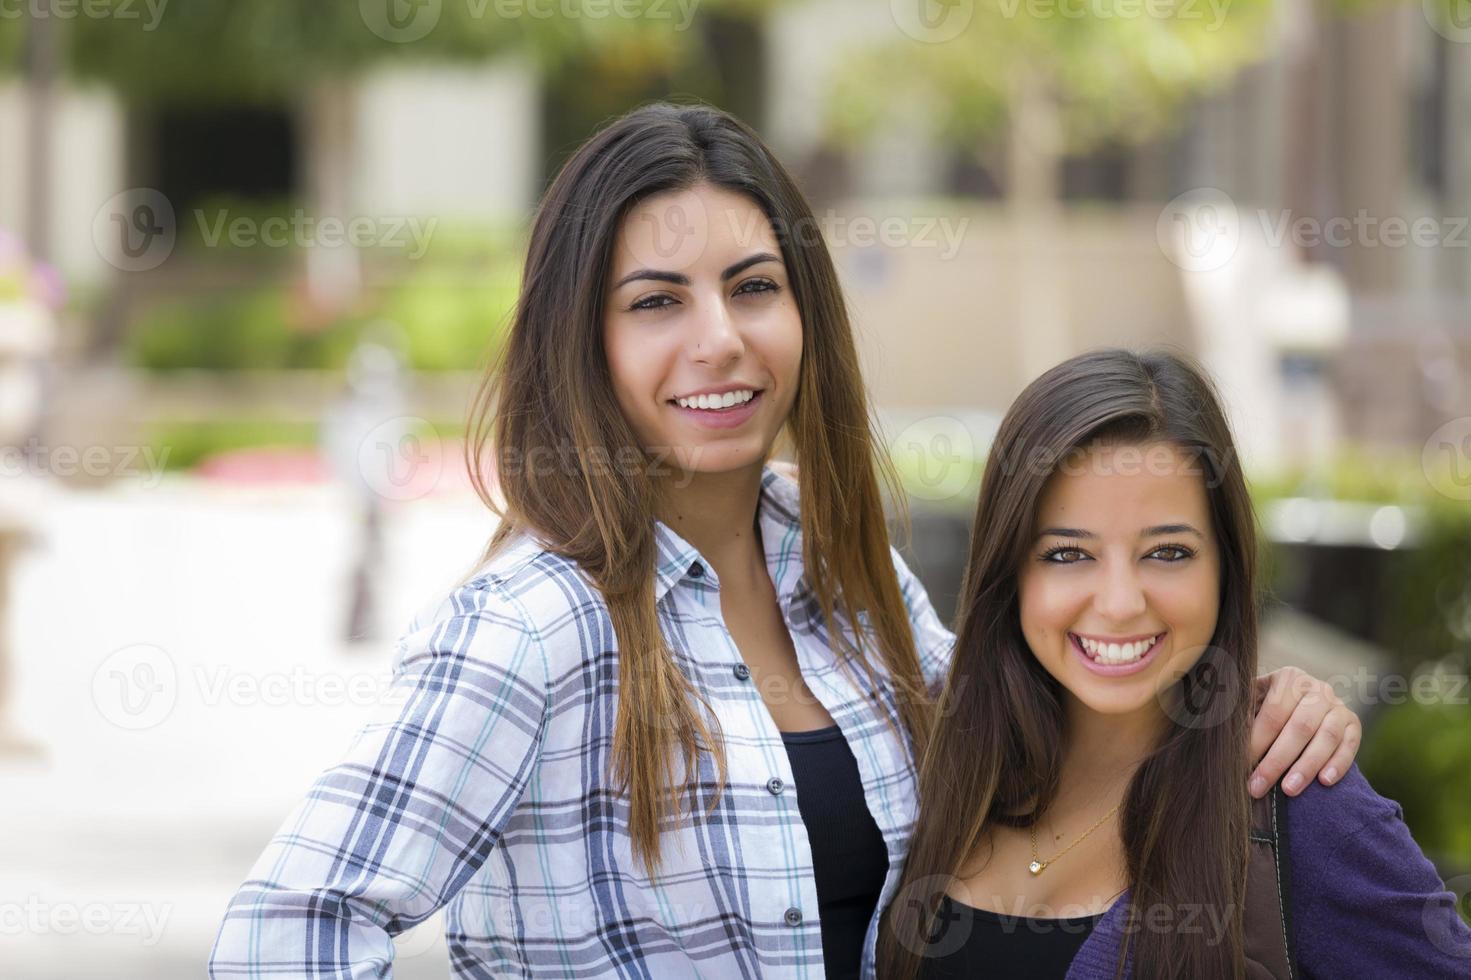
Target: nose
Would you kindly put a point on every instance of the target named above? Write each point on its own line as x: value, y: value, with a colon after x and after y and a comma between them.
x: 714, y: 338
x: 1120, y: 599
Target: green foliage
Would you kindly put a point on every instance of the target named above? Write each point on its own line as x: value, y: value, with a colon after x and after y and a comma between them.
x: 453, y: 306
x: 212, y: 51
x: 1419, y: 755
x: 1429, y: 600
x: 182, y: 444
x: 1116, y: 78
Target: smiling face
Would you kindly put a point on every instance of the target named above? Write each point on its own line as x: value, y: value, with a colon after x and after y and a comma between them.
x: 702, y: 333
x: 1120, y: 590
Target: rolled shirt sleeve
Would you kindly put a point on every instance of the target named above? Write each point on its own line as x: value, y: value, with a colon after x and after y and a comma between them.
x: 393, y: 831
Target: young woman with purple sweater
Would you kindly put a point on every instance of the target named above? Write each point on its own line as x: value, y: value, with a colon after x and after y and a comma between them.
x: 1083, y: 811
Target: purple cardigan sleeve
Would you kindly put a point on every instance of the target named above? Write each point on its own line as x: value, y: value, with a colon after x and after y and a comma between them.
x: 1366, y: 902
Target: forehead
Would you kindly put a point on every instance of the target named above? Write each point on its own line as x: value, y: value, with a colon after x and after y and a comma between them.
x: 691, y: 229
x: 1126, y: 487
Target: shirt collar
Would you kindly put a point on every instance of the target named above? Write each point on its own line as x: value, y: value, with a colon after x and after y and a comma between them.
x: 779, y: 513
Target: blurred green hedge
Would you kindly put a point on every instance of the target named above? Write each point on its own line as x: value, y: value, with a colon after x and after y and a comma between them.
x: 453, y: 304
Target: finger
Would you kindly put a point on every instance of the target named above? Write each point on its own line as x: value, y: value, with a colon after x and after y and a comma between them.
x: 1343, y: 756
x: 1307, y: 766
x: 1281, y: 691
x: 1302, y: 726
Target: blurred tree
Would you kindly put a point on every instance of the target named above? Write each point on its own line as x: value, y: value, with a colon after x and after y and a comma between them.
x: 1059, y: 77
x: 208, y: 51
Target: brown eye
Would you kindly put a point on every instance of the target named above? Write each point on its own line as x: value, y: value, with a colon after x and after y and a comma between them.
x: 654, y: 302
x: 1171, y: 553
x: 1063, y: 555
x: 756, y: 286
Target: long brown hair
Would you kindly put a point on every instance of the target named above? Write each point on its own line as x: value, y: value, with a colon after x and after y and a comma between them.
x: 995, y: 755
x: 551, y: 393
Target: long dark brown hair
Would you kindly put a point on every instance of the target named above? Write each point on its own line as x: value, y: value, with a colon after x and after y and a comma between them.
x: 550, y: 397
x: 997, y: 748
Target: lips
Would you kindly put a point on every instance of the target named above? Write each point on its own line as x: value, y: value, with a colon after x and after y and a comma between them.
x: 1092, y: 660
x: 721, y: 418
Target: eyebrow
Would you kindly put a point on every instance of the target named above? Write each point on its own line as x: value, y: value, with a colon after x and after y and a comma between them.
x: 1148, y: 532
x: 680, y: 279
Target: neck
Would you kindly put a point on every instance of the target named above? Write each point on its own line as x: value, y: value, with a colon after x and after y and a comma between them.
x: 716, y: 513
x: 1103, y: 750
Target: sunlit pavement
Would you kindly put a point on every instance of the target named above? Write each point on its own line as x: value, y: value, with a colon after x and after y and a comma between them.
x: 180, y: 659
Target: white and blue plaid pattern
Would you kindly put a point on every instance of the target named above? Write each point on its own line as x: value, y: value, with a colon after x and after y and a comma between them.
x: 484, y: 788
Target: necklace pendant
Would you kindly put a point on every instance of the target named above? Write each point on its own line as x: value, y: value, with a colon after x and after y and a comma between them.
x: 1036, y: 867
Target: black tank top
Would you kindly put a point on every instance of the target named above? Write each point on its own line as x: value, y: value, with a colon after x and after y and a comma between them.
x: 970, y: 942
x: 849, y: 857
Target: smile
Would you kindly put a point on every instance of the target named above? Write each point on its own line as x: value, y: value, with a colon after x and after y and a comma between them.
x: 722, y: 410
x: 1114, y: 658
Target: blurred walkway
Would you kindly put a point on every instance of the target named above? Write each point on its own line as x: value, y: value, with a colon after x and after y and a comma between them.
x: 180, y: 659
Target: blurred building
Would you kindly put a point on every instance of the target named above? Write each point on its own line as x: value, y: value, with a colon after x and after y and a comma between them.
x: 1315, y: 340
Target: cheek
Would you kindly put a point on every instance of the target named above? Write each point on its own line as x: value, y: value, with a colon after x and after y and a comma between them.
x: 1048, y: 606
x: 777, y: 338
x: 1191, y: 601
x: 633, y: 371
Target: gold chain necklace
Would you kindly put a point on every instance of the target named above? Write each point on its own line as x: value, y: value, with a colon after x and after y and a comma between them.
x: 1038, y: 866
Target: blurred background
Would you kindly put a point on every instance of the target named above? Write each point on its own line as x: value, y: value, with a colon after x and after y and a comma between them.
x: 254, y: 254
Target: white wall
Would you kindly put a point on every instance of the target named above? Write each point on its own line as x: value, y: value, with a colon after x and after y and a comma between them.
x: 448, y: 141
x: 87, y: 169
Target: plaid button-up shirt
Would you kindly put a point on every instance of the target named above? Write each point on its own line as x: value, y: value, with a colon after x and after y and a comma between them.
x: 484, y: 788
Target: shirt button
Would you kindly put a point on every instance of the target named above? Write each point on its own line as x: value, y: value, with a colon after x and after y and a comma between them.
x: 742, y: 672
x: 793, y: 916
x: 774, y: 787
x: 697, y: 570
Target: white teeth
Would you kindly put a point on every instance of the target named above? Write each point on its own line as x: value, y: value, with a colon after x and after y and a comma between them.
x: 1116, y: 653
x: 727, y: 400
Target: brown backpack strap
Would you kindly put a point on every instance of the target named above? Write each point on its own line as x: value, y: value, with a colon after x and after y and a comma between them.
x: 1268, y: 925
